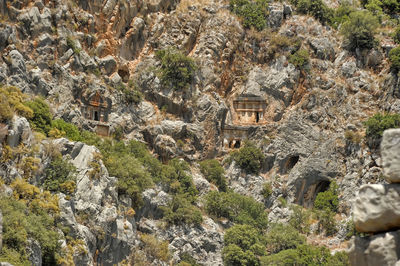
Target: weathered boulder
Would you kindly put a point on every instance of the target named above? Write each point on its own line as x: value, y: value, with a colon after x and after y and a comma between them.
x: 381, y: 249
x: 322, y: 48
x: 20, y: 131
x: 377, y: 208
x: 109, y: 64
x: 390, y: 151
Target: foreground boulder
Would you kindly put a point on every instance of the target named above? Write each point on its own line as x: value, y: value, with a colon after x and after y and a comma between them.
x: 390, y: 149
x: 377, y: 208
x: 375, y: 250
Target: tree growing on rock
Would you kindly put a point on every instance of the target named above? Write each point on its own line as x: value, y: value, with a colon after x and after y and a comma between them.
x: 177, y: 70
x: 359, y: 30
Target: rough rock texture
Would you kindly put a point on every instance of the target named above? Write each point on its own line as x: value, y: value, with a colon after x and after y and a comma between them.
x: 377, y: 208
x: 390, y: 147
x: 20, y: 132
x: 380, y: 249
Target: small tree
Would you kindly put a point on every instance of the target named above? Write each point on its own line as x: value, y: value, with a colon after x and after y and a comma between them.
x: 359, y: 30
x: 214, y: 172
x: 394, y: 57
x: 249, y: 158
x: 177, y: 70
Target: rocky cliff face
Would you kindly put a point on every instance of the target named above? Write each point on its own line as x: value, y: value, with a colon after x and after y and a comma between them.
x: 376, y: 211
x: 64, y: 50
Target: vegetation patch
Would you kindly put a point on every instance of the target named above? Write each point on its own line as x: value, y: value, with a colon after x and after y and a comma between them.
x: 359, y: 30
x: 249, y: 158
x: 378, y: 123
x: 177, y: 70
x: 214, y: 172
x: 237, y: 208
x: 12, y: 102
x: 253, y: 13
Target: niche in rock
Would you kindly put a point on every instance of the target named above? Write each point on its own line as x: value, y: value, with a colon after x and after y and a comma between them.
x: 312, y: 192
x: 289, y: 164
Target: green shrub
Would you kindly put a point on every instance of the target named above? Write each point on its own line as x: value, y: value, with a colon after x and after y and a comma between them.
x: 237, y: 208
x: 341, y: 14
x: 396, y: 35
x: 132, y: 177
x: 181, y: 211
x: 59, y: 176
x: 316, y: 8
x: 266, y: 190
x: 280, y: 237
x: 67, y: 129
x: 243, y: 243
x: 214, y: 172
x: 394, y: 57
x: 300, y: 219
x: 359, y: 30
x: 279, y: 43
x: 253, y: 13
x: 300, y: 58
x: 178, y: 181
x: 20, y: 224
x: 235, y: 256
x: 306, y: 255
x: 378, y: 123
x: 326, y: 221
x: 188, y: 259
x: 41, y: 120
x: 378, y: 7
x: 12, y: 101
x: 249, y: 158
x: 177, y: 70
x: 328, y: 199
x: 132, y: 95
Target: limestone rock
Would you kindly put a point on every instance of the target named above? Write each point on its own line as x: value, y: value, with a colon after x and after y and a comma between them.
x: 19, y: 132
x: 390, y: 150
x: 380, y: 249
x: 377, y: 208
x: 109, y: 64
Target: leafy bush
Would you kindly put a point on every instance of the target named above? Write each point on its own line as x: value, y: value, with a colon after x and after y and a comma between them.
x: 394, y: 57
x: 396, y: 35
x: 300, y: 58
x: 341, y: 14
x: 359, y: 30
x: 279, y: 42
x: 253, y: 13
x: 41, y: 120
x: 214, y: 172
x: 22, y: 221
x: 249, y: 158
x: 177, y: 70
x: 328, y: 200
x: 280, y: 237
x: 316, y: 8
x: 237, y: 208
x: 306, y: 255
x: 378, y: 123
x: 234, y: 255
x: 66, y: 129
x: 243, y: 243
x: 132, y: 177
x: 300, y: 219
x: 59, y: 176
x: 267, y: 190
x: 12, y: 101
x: 390, y: 7
x: 326, y: 221
x: 180, y: 210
